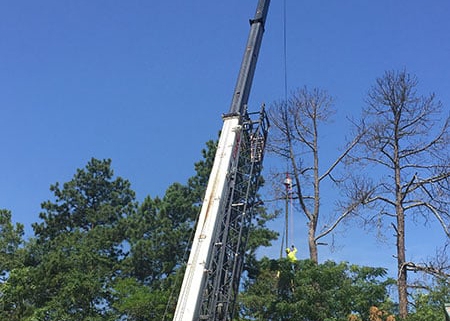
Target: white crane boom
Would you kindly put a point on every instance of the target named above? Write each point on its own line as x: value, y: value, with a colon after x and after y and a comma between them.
x: 216, y: 257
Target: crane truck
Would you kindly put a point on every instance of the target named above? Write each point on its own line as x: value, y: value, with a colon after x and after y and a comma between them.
x: 213, y: 270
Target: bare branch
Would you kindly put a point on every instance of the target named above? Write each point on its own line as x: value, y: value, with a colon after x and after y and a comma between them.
x: 341, y: 157
x: 433, y: 210
x: 426, y: 147
x: 430, y: 180
x: 395, y: 228
x: 407, y: 188
x: 380, y: 198
x: 337, y: 221
x: 427, y: 268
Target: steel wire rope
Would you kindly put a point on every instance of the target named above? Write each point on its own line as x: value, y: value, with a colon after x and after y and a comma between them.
x: 286, y: 230
x: 285, y: 50
x: 289, y: 189
x: 291, y: 212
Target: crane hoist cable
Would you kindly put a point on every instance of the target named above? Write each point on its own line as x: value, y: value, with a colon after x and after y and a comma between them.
x: 282, y: 244
x: 291, y: 205
x: 289, y: 210
x: 285, y: 51
x: 285, y: 235
x: 288, y: 231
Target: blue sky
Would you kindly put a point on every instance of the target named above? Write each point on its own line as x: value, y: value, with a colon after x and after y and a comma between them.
x: 145, y: 83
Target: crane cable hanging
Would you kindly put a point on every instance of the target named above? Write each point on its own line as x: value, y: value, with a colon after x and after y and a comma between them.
x: 285, y: 51
x: 288, y: 230
x: 289, y: 210
x: 288, y: 180
x: 287, y: 237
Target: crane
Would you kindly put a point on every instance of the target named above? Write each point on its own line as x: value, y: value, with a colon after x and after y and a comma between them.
x: 215, y: 264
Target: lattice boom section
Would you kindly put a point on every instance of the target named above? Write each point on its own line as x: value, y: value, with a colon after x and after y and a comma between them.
x: 227, y: 261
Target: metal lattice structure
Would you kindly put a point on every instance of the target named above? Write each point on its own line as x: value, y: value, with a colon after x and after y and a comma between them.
x: 226, y: 265
x: 211, y: 281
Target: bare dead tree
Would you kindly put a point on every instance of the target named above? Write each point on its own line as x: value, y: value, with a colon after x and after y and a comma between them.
x: 406, y: 146
x: 295, y: 138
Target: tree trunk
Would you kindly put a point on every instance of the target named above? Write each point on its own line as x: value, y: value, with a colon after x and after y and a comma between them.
x: 401, y: 260
x: 400, y: 214
x: 313, y: 255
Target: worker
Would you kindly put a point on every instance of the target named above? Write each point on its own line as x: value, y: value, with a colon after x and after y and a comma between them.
x: 291, y: 253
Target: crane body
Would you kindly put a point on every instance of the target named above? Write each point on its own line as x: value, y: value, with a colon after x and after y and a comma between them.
x: 215, y: 264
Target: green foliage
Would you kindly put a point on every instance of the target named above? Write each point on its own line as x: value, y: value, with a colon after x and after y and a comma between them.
x: 203, y: 169
x: 10, y: 242
x: 12, y: 271
x: 15, y: 299
x: 77, y: 253
x: 91, y: 201
x: 139, y: 302
x: 429, y: 305
x: 306, y: 291
x: 159, y: 233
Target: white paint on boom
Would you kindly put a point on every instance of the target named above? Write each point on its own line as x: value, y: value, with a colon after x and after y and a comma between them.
x: 227, y: 155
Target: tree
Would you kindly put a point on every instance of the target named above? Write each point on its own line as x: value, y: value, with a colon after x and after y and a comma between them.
x: 306, y: 291
x: 375, y: 314
x: 158, y: 235
x: 203, y: 167
x: 138, y: 302
x: 295, y: 138
x: 11, y: 268
x: 407, y: 146
x: 428, y: 302
x: 80, y: 245
x: 11, y: 238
